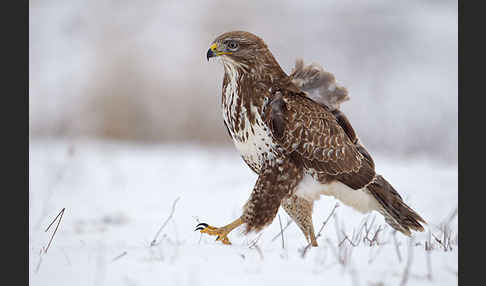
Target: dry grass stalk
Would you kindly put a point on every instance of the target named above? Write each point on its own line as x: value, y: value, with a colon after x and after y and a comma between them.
x: 428, y: 243
x: 37, y: 267
x: 342, y: 253
x: 429, y: 265
x: 259, y: 251
x: 376, y: 253
x: 446, y: 232
x: 346, y: 238
x: 255, y: 241
x: 368, y: 229
x: 289, y: 222
x: 397, y: 249
x: 165, y: 222
x: 281, y: 231
x: 320, y: 230
x: 406, y: 272
x: 119, y: 256
x: 374, y: 240
x: 253, y: 244
x: 59, y: 215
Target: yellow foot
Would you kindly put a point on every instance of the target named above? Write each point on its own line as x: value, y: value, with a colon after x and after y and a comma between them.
x: 221, y: 232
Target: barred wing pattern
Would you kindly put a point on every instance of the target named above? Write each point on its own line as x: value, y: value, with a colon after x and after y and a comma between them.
x: 311, y: 134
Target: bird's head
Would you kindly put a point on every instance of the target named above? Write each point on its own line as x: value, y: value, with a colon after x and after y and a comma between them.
x: 236, y: 46
x: 243, y: 50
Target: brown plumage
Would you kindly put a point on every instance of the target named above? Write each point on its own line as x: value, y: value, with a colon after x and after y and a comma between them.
x: 300, y: 145
x: 276, y: 181
x: 319, y: 84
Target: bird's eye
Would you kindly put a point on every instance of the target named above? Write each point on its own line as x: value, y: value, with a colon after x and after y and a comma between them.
x: 233, y: 45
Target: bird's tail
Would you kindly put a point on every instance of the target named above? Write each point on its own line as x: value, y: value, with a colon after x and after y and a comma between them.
x: 397, y: 214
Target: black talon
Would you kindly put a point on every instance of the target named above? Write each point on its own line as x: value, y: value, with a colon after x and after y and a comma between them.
x: 201, y: 226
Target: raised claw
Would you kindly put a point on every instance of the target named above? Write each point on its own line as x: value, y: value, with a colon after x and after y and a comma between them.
x: 201, y: 226
x: 221, y: 234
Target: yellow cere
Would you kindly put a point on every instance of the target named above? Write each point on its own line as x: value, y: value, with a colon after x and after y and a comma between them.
x: 214, y: 48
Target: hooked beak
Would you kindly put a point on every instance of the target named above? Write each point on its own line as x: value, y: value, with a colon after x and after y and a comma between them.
x: 212, y: 52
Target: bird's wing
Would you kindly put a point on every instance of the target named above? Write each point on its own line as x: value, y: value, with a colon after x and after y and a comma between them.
x: 311, y: 133
x: 343, y: 121
x: 321, y: 86
x: 318, y: 84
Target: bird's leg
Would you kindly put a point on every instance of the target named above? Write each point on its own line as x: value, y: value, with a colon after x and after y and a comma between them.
x: 220, y: 232
x: 276, y: 180
x: 300, y: 210
x: 312, y: 236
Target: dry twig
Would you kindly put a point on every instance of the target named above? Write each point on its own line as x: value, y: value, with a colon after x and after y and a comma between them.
x: 346, y: 238
x: 260, y: 253
x: 253, y: 244
x: 429, y: 265
x: 165, y: 223
x: 119, y: 256
x: 375, y: 237
x: 255, y: 241
x: 320, y: 230
x: 289, y: 222
x: 406, y: 272
x: 59, y: 215
x: 396, y: 247
x: 281, y: 231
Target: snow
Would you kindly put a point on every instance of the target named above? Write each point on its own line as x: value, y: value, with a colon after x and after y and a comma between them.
x: 116, y: 197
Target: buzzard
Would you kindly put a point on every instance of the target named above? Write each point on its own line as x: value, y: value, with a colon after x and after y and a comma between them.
x: 289, y: 130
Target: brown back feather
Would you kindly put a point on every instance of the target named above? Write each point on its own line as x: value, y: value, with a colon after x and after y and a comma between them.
x: 312, y: 133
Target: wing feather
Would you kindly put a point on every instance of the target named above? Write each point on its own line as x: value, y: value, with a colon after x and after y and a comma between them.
x: 311, y: 132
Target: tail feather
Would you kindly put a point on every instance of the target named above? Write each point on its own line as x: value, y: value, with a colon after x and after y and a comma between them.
x: 397, y: 214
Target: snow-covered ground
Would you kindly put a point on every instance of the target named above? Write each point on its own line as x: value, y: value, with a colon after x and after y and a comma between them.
x: 117, y: 196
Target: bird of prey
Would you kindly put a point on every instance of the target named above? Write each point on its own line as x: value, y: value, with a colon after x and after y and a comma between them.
x: 299, y: 143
